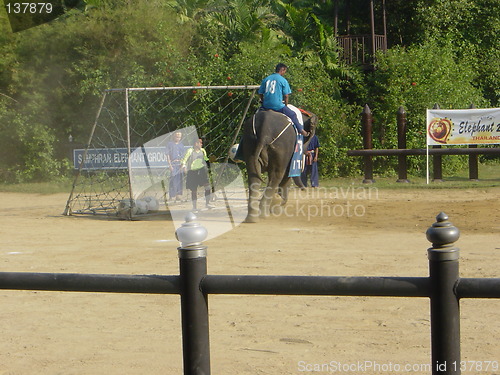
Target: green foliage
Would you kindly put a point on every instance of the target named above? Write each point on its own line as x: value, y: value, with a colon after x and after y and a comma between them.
x: 316, y: 91
x: 52, y: 76
x: 417, y: 78
x: 241, y: 21
x: 61, y: 69
x: 472, y: 28
x: 29, y: 155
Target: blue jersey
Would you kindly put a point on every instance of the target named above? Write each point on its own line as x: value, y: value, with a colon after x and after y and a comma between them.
x: 274, y: 88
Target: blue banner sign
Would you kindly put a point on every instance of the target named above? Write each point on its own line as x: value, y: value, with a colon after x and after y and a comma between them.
x: 296, y: 162
x: 117, y: 158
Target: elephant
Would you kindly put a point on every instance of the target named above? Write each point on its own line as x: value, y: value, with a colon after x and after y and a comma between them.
x: 267, y: 145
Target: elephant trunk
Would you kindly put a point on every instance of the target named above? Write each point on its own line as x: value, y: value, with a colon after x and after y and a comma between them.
x: 312, y: 122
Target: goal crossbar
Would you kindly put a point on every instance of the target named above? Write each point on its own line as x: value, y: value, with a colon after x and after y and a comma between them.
x: 245, y: 87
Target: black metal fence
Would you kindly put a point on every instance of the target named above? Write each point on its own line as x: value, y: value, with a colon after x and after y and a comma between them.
x: 444, y: 287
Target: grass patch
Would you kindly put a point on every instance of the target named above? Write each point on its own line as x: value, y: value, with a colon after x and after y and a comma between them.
x: 37, y: 187
x: 489, y: 176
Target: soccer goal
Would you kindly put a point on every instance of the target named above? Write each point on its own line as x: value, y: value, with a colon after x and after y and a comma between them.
x: 124, y: 170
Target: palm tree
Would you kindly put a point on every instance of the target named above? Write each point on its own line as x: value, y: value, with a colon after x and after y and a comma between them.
x: 309, y: 37
x: 245, y: 21
x: 193, y: 10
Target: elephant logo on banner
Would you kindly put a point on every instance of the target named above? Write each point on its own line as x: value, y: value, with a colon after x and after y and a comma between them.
x: 439, y: 129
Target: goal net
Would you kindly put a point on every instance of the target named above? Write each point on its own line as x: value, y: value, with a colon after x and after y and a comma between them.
x: 125, y: 170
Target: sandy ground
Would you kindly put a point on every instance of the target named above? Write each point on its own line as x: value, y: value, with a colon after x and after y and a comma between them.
x: 383, y: 234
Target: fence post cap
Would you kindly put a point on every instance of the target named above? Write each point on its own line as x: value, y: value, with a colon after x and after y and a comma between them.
x: 191, y: 234
x: 442, y: 234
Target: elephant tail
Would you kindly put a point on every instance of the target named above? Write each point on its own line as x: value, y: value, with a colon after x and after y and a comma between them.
x: 256, y: 157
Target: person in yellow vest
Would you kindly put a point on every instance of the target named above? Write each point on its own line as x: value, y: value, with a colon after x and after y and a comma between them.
x: 194, y: 163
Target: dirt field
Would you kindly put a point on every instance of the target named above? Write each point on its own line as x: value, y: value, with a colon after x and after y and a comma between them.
x: 383, y: 234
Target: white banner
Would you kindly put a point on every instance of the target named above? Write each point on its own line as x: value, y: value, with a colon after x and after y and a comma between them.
x: 463, y: 126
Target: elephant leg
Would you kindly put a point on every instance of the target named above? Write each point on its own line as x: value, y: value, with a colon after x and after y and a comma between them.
x: 253, y: 200
x: 275, y: 179
x: 284, y: 189
x: 266, y: 200
x: 299, y: 183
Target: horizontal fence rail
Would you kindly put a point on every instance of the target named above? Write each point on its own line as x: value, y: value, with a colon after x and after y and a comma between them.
x: 317, y: 285
x: 423, y: 151
x: 478, y: 288
x: 75, y: 282
x: 443, y: 287
x: 366, y: 286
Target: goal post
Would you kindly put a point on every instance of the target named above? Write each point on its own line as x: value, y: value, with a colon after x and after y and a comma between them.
x: 124, y: 170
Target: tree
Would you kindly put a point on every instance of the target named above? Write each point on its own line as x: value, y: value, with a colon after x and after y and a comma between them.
x: 193, y: 11
x: 473, y: 29
x: 61, y: 68
x: 242, y: 21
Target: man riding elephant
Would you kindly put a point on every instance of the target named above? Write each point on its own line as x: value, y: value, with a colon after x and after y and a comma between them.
x: 267, y: 146
x: 274, y: 91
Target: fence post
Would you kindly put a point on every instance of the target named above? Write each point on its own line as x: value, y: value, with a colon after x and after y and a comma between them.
x: 445, y: 308
x: 402, y: 166
x: 194, y: 303
x: 366, y: 122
